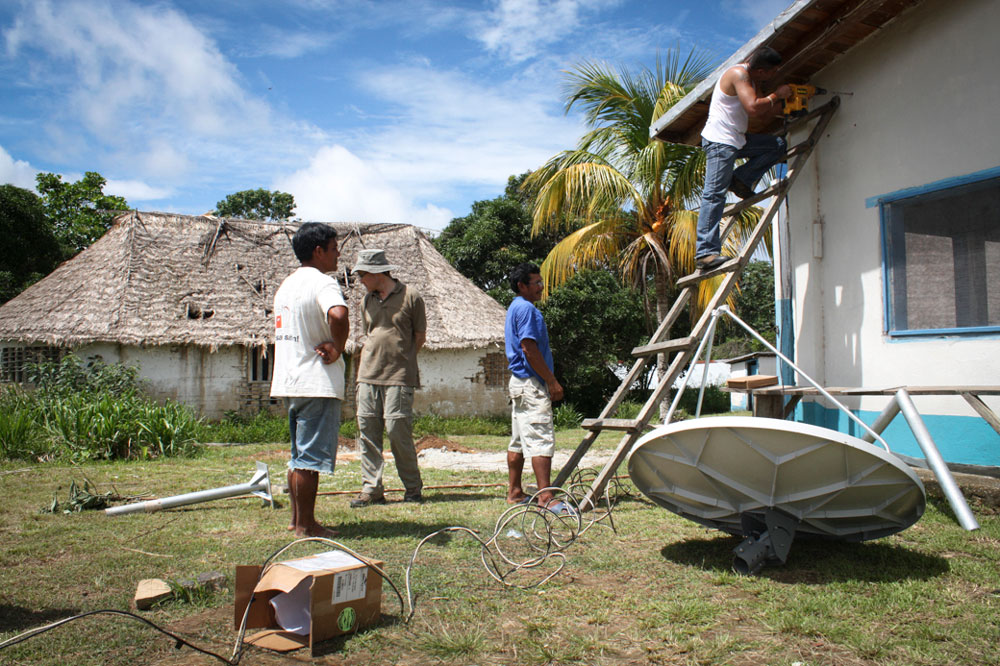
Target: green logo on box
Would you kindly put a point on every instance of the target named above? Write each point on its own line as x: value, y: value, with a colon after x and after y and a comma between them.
x: 346, y: 619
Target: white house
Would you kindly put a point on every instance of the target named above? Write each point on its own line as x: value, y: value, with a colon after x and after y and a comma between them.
x: 189, y: 301
x: 892, y: 246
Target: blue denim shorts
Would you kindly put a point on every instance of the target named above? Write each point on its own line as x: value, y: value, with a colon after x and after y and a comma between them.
x: 315, y: 425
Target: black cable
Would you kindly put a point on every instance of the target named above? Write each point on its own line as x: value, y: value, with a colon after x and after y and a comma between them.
x: 178, y: 641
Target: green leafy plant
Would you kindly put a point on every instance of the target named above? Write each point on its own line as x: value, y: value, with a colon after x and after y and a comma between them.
x: 22, y: 433
x: 565, y: 416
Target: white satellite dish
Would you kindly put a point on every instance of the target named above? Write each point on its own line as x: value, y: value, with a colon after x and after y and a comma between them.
x: 770, y: 480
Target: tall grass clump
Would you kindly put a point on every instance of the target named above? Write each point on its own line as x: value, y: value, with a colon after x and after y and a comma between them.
x: 92, y: 411
x: 262, y: 427
x: 22, y: 427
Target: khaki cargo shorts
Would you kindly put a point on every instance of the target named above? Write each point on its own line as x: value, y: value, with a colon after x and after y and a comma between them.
x: 532, y: 431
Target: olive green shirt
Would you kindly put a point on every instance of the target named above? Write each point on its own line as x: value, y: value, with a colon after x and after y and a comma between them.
x: 389, y: 356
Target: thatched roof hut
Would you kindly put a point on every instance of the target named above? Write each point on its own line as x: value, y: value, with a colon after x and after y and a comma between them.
x: 164, y: 279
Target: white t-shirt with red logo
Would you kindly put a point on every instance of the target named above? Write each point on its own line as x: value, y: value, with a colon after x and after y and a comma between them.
x: 300, y: 323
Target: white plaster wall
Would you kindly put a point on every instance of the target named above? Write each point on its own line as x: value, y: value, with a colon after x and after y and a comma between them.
x: 925, y: 108
x: 454, y: 384
x: 207, y: 381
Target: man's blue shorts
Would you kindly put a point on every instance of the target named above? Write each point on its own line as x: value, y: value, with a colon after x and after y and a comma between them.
x: 315, y: 426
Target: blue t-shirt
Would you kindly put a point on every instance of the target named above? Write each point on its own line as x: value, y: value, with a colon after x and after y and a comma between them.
x: 525, y: 322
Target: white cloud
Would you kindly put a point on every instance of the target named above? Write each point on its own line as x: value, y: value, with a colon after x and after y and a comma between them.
x: 339, y: 186
x: 135, y: 76
x: 16, y: 172
x: 135, y: 190
x: 521, y: 29
x: 445, y: 124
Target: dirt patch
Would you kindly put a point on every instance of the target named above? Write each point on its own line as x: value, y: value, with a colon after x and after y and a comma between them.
x: 435, y: 442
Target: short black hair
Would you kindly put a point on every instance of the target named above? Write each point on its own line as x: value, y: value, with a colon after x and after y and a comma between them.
x: 522, y: 275
x: 763, y: 57
x: 310, y: 236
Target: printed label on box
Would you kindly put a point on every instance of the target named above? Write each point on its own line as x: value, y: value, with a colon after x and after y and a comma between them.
x: 333, y: 559
x: 350, y: 585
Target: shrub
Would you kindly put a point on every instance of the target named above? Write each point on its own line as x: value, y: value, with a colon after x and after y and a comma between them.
x: 22, y: 427
x: 91, y: 411
x: 565, y: 416
x: 262, y: 427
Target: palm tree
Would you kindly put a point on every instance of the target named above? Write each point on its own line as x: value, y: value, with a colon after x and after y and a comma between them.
x: 623, y: 196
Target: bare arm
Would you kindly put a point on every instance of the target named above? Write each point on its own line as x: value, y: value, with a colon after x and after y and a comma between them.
x: 537, y: 363
x: 419, y: 338
x: 739, y: 81
x: 340, y: 329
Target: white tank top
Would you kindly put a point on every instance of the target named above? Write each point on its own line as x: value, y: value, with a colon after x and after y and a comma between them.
x: 727, y: 119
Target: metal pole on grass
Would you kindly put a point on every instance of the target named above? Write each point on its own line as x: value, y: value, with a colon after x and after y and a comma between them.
x: 259, y: 485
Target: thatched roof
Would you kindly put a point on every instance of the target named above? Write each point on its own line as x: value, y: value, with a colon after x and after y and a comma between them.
x: 163, y: 279
x: 809, y: 35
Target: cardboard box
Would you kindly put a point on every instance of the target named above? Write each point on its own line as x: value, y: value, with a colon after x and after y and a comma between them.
x: 751, y: 381
x: 314, y: 598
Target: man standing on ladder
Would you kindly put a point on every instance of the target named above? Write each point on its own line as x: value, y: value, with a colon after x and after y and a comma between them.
x: 724, y: 139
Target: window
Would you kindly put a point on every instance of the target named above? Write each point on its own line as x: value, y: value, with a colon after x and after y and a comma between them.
x: 495, y: 372
x: 942, y: 258
x: 13, y: 360
x: 261, y: 364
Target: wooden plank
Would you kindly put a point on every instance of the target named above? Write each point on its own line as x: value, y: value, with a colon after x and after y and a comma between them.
x: 700, y: 275
x: 983, y: 410
x: 627, y: 425
x: 751, y: 381
x: 663, y: 347
x: 790, y: 406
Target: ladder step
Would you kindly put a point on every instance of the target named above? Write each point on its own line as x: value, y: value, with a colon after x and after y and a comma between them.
x: 699, y: 275
x: 740, y: 206
x: 800, y: 148
x: 626, y: 425
x: 666, y: 346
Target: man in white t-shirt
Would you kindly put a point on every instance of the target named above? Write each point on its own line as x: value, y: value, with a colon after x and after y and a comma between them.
x: 311, y: 327
x: 724, y: 139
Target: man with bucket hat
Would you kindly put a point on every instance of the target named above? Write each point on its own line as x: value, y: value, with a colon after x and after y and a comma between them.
x: 394, y: 321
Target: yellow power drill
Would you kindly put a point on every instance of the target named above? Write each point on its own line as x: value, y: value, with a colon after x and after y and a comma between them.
x: 798, y: 103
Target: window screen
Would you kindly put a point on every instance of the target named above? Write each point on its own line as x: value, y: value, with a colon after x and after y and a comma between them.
x: 943, y: 255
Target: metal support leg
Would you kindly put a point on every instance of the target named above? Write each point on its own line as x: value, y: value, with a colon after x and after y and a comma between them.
x: 903, y: 402
x: 936, y: 462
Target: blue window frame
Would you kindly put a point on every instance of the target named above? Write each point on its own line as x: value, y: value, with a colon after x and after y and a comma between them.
x: 941, y: 257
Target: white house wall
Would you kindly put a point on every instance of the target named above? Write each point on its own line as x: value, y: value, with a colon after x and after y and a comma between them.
x: 207, y: 381
x: 455, y: 383
x: 925, y: 105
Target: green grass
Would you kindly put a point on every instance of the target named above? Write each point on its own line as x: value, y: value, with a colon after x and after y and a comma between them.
x: 660, y: 590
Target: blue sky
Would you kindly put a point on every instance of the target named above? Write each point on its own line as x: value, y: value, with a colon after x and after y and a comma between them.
x: 365, y: 111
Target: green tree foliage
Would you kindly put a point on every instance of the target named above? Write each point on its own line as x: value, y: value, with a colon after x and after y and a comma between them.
x: 496, y: 236
x: 30, y: 246
x: 621, y: 197
x: 755, y: 301
x: 259, y: 204
x: 78, y: 211
x: 754, y: 304
x: 594, y: 322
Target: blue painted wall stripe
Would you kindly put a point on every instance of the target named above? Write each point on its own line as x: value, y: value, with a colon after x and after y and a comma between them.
x: 967, y: 440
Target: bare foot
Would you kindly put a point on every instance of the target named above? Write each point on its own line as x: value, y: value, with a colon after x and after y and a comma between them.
x: 291, y: 527
x: 316, y: 530
x: 520, y: 499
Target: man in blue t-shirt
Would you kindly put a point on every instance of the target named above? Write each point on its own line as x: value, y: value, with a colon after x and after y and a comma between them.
x: 532, y: 387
